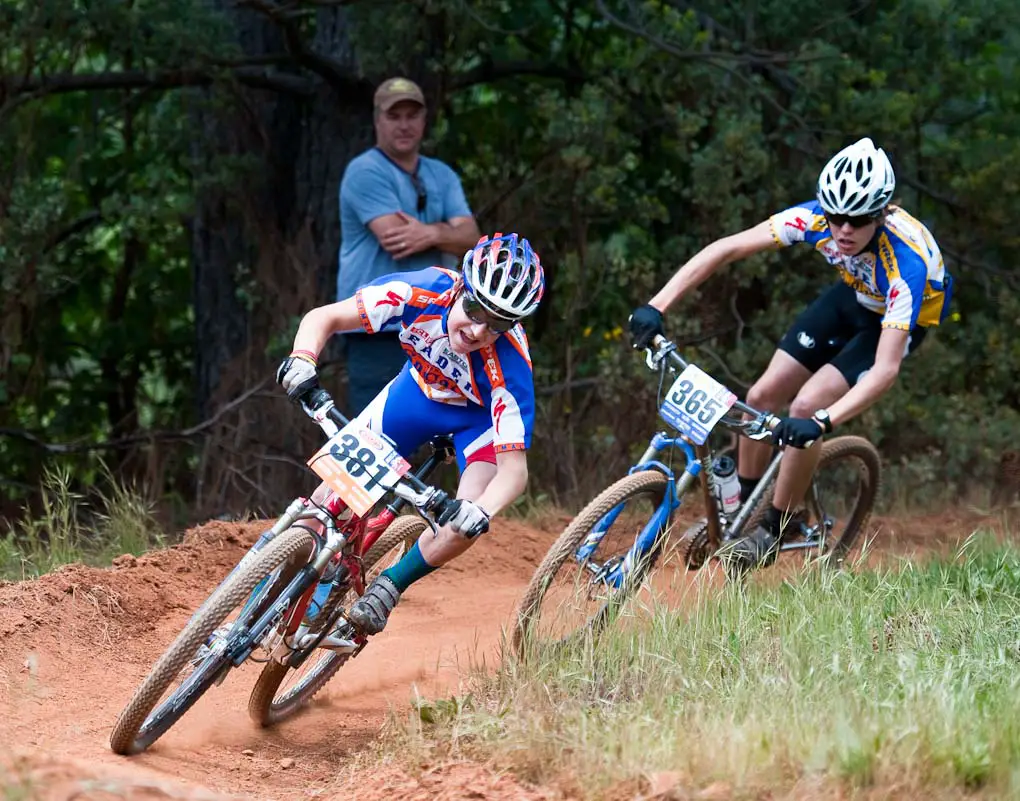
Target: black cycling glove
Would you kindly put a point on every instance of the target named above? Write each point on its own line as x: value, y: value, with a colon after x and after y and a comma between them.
x: 645, y: 322
x: 798, y: 432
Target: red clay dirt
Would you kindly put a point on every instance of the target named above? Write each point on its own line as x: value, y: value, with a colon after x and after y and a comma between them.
x: 74, y: 644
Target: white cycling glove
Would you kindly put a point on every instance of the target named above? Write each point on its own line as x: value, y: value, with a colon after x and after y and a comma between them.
x: 467, y: 518
x: 297, y: 374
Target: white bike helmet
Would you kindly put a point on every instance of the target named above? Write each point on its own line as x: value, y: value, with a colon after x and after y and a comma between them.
x: 857, y: 181
x: 504, y: 275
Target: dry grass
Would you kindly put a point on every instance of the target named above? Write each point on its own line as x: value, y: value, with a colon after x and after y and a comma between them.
x: 901, y: 679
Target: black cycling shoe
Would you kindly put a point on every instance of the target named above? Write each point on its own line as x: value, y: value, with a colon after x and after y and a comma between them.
x: 371, y: 611
x: 758, y: 549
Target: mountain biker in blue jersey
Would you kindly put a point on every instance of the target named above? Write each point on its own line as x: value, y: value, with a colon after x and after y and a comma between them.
x: 844, y: 351
x: 468, y: 373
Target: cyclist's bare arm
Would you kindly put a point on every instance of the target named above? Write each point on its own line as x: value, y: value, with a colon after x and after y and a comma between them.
x: 892, y: 345
x: 321, y: 323
x: 509, y: 482
x: 710, y: 258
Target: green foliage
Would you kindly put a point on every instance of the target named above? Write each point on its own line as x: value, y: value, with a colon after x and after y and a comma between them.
x: 72, y: 528
x: 900, y: 677
x: 620, y: 143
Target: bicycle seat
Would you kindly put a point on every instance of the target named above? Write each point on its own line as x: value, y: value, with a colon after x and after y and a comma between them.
x: 443, y: 444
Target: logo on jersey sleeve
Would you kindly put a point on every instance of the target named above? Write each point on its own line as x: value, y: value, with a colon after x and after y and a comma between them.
x: 899, y: 305
x: 795, y: 224
x: 391, y: 299
x: 497, y: 412
x: 507, y: 421
x: 378, y: 305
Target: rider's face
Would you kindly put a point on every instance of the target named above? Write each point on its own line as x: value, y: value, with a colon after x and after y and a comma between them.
x: 466, y: 335
x: 849, y: 238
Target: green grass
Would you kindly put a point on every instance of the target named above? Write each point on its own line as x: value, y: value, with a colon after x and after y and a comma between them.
x: 13, y: 785
x: 68, y: 527
x: 905, y: 678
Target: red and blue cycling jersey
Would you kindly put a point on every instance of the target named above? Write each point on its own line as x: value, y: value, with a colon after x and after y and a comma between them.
x: 498, y: 377
x: 900, y: 274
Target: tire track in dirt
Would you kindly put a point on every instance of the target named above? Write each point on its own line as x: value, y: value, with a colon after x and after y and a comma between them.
x: 75, y: 643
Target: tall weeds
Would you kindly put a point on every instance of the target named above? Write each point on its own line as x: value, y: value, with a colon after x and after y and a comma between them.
x: 70, y: 527
x: 904, y: 679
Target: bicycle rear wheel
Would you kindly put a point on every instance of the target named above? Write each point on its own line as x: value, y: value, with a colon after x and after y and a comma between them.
x: 841, y: 498
x: 152, y: 710
x: 569, y: 593
x: 280, y: 691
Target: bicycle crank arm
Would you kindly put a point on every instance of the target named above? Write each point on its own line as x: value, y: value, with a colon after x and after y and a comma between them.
x: 329, y: 639
x: 800, y: 546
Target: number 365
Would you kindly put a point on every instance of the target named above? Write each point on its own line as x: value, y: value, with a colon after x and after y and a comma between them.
x: 695, y: 404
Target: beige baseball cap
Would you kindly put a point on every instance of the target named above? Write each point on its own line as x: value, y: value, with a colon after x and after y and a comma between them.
x: 393, y: 90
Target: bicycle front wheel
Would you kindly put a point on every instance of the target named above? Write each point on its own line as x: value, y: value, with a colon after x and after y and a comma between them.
x: 577, y: 588
x: 280, y: 692
x: 185, y: 672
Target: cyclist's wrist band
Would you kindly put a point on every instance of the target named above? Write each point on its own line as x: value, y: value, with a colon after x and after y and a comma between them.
x: 307, y: 356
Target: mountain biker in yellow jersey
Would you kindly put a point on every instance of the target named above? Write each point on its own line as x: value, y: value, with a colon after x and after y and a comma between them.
x: 468, y: 374
x: 844, y: 351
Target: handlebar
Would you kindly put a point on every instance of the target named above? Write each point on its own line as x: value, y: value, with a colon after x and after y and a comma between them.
x: 434, y: 504
x: 758, y: 428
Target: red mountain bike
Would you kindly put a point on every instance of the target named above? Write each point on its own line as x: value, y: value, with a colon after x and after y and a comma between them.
x: 291, y: 590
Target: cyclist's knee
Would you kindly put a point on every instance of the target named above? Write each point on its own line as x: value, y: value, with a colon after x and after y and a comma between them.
x: 807, y: 403
x: 802, y: 407
x: 765, y: 394
x: 827, y: 387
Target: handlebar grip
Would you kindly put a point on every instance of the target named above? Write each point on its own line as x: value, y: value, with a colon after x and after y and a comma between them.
x: 446, y: 509
x: 315, y: 398
x: 318, y: 404
x: 449, y: 508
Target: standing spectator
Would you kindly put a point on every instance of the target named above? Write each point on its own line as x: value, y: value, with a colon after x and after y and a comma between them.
x: 399, y: 211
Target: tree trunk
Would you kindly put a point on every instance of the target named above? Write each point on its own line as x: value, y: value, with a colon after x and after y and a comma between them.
x: 265, y: 251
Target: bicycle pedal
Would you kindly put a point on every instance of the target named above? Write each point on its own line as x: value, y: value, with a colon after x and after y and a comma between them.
x: 334, y: 642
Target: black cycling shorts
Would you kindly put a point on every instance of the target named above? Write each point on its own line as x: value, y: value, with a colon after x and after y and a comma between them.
x: 838, y: 330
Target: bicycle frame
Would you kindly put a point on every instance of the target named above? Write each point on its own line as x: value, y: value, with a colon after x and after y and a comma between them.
x: 697, y: 466
x: 339, y: 540
x: 755, y: 425
x: 697, y: 461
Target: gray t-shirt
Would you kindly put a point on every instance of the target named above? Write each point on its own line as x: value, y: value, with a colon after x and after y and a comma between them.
x: 373, y: 186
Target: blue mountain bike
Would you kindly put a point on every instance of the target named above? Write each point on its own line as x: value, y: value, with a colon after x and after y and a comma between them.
x: 608, y: 550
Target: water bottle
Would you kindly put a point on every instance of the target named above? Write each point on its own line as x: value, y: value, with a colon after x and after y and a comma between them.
x: 727, y: 485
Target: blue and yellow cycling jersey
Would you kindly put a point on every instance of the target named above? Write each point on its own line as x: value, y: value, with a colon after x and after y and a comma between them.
x: 900, y: 274
x: 499, y: 376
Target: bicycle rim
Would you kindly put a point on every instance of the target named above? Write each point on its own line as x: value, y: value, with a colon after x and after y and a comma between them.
x: 574, y: 591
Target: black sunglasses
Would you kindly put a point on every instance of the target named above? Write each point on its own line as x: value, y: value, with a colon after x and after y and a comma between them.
x: 477, y: 313
x: 419, y: 188
x: 855, y: 220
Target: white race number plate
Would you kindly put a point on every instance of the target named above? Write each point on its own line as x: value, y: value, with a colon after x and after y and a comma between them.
x: 696, y: 403
x: 359, y: 466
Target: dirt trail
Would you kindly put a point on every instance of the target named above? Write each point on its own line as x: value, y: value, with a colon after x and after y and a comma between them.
x: 74, y: 644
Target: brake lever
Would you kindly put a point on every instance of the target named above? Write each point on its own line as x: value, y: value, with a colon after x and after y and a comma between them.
x: 764, y: 424
x: 654, y: 358
x: 426, y: 509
